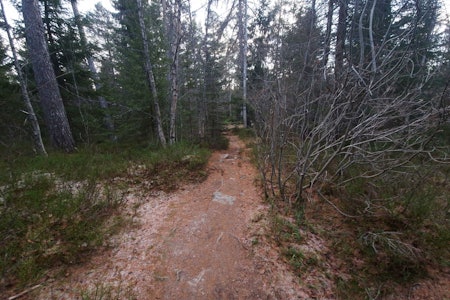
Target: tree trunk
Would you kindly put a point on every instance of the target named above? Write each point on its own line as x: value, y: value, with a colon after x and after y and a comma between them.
x: 90, y: 63
x: 372, y: 43
x: 362, y: 43
x: 202, y: 108
x: 150, y: 76
x: 49, y: 94
x: 326, y: 51
x: 340, y: 38
x: 51, y: 45
x: 243, y: 50
x: 172, y: 23
x: 36, y: 130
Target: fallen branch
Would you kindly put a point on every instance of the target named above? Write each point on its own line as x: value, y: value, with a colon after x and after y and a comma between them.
x: 25, y: 292
x: 335, y: 207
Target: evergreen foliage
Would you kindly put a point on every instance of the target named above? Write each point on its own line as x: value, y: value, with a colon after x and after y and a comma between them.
x: 12, y: 131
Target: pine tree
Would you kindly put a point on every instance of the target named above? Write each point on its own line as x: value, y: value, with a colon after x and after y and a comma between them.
x: 92, y: 68
x: 49, y: 94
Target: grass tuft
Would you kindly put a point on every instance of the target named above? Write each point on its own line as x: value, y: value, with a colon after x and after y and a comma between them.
x: 108, y: 292
x: 284, y: 231
x: 295, y: 258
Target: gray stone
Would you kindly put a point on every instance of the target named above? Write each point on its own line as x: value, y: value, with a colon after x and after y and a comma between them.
x: 224, y: 199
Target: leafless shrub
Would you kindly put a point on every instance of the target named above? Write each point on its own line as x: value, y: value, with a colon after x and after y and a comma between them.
x: 389, y: 241
x: 374, y: 119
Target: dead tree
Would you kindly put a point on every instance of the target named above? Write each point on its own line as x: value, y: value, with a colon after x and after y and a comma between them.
x: 366, y: 126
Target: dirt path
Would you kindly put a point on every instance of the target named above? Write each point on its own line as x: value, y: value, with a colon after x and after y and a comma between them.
x: 202, y: 242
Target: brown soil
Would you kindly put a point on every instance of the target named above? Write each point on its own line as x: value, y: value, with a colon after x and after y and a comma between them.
x: 201, y: 242
x: 213, y: 240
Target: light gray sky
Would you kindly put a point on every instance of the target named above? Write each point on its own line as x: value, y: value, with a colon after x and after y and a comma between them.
x: 85, y: 6
x: 89, y: 5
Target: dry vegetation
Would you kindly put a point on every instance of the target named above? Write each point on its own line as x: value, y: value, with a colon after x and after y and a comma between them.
x: 383, y: 237
x: 56, y: 211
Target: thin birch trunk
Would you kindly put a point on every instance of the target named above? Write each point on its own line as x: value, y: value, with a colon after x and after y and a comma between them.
x: 172, y: 22
x: 361, y: 38
x: 340, y: 39
x: 372, y: 44
x: 202, y: 107
x: 243, y: 48
x: 150, y: 76
x: 36, y: 130
x: 326, y: 52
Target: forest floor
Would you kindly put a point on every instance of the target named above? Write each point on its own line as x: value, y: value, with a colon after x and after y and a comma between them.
x: 212, y: 240
x: 200, y: 242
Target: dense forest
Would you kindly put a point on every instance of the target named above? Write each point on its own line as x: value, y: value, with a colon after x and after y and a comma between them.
x: 346, y: 99
x: 341, y: 74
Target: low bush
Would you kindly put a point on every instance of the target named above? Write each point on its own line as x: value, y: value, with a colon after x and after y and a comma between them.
x: 44, y: 224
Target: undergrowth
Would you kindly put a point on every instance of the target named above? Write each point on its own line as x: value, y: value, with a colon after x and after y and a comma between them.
x: 53, y: 210
x: 108, y: 292
x: 44, y: 224
x: 403, y: 226
x: 244, y: 134
x: 385, y: 233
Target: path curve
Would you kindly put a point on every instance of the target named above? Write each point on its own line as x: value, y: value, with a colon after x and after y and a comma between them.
x: 205, y: 241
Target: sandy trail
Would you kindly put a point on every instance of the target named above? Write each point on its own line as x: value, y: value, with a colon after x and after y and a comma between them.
x: 204, y: 241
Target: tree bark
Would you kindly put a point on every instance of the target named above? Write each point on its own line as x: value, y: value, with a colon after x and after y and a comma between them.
x: 150, y: 76
x: 362, y: 43
x: 109, y: 124
x: 172, y: 22
x: 202, y: 108
x: 243, y: 50
x: 36, y: 130
x: 49, y: 94
x: 327, y: 47
x: 340, y: 38
x: 372, y: 43
x: 51, y: 44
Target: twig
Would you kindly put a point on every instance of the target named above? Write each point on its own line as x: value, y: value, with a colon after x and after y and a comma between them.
x: 219, y: 238
x: 25, y: 292
x: 335, y: 207
x: 239, y: 241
